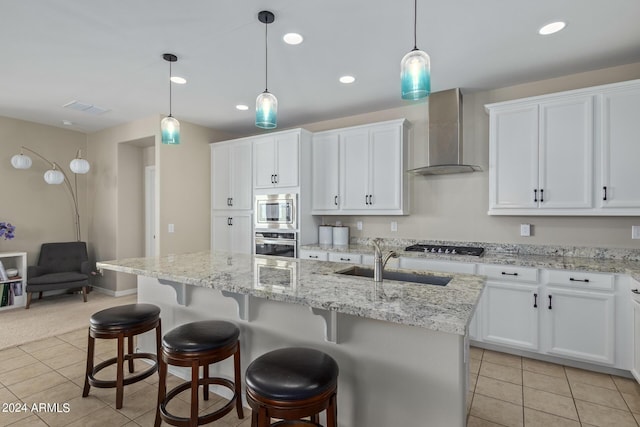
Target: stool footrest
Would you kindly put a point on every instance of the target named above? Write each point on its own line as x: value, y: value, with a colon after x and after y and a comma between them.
x: 203, y: 419
x: 94, y: 382
x: 295, y: 423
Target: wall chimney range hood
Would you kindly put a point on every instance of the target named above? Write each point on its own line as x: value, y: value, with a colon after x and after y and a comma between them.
x: 444, y: 148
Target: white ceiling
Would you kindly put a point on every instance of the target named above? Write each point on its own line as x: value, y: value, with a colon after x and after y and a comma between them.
x: 109, y: 54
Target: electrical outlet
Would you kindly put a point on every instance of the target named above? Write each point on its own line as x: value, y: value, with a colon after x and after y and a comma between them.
x: 525, y: 230
x: 394, y: 226
x: 171, y: 228
x: 635, y: 231
x: 359, y: 225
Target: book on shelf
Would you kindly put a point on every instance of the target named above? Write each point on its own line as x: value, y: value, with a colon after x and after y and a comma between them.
x: 3, y: 273
x: 4, y: 295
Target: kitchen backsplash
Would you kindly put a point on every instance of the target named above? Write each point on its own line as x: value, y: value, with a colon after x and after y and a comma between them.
x: 516, y: 249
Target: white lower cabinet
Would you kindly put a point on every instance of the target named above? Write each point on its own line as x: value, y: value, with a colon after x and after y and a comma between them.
x: 315, y: 255
x: 635, y: 367
x: 231, y: 232
x: 345, y: 257
x: 580, y: 324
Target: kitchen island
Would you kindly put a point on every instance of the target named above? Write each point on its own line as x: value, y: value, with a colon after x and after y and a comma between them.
x: 402, y: 347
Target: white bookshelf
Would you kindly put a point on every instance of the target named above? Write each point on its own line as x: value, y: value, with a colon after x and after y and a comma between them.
x: 16, y: 260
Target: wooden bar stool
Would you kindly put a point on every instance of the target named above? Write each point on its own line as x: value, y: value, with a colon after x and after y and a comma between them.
x: 194, y: 345
x: 121, y: 322
x: 291, y: 384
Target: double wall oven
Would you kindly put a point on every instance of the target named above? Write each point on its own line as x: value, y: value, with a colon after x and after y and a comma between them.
x: 276, y: 225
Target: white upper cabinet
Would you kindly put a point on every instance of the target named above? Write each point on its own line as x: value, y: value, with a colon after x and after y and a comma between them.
x: 620, y: 151
x: 325, y: 172
x: 276, y: 160
x: 360, y: 170
x: 548, y: 154
x: 231, y: 175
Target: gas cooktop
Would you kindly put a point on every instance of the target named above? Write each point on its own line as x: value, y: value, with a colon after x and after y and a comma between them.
x: 446, y: 250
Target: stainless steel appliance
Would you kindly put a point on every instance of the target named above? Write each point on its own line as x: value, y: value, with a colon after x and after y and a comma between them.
x: 276, y: 211
x: 275, y: 275
x: 446, y: 250
x: 276, y: 243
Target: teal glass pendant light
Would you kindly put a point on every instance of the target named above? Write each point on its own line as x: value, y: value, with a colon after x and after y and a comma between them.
x: 169, y: 126
x: 266, y: 103
x: 415, y: 68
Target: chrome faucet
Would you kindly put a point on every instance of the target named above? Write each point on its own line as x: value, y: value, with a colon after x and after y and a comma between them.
x: 379, y: 261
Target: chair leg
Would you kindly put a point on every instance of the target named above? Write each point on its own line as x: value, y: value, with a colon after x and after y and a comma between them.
x: 84, y: 293
x: 28, y: 300
x: 130, y: 352
x: 195, y: 373
x: 40, y: 295
x: 205, y: 388
x: 90, y: 349
x: 162, y: 387
x: 332, y: 412
x: 120, y: 372
x: 237, y: 379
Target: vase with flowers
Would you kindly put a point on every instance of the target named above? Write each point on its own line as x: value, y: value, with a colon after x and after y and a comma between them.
x: 7, y: 230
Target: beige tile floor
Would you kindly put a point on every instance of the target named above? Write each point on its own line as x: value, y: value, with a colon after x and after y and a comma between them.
x: 505, y: 390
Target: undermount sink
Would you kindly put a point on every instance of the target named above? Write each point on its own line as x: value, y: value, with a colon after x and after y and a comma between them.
x: 425, y: 279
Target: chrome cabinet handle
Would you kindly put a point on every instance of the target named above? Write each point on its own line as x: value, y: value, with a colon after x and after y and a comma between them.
x: 504, y: 273
x: 535, y: 195
x: 366, y: 199
x: 345, y: 259
x: 230, y: 201
x: 535, y: 300
x: 335, y: 200
x: 541, y: 195
x: 275, y: 178
x: 549, y: 302
x: 313, y: 256
x: 604, y: 196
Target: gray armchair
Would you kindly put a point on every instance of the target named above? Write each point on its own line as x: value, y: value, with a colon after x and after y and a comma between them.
x: 60, y: 266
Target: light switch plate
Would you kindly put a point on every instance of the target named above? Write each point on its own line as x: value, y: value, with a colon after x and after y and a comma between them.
x: 394, y: 226
x: 171, y: 228
x: 359, y: 225
x: 635, y: 231
x: 525, y: 230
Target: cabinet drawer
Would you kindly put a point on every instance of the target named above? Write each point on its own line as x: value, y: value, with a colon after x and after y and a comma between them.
x: 316, y: 255
x: 579, y: 279
x: 345, y: 257
x: 510, y: 273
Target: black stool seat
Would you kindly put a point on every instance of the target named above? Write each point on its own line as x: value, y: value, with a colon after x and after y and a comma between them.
x: 125, y: 316
x: 194, y: 345
x: 291, y: 384
x: 122, y: 323
x: 197, y: 337
x: 292, y: 374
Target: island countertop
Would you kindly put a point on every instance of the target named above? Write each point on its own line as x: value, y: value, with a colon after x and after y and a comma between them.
x: 317, y: 285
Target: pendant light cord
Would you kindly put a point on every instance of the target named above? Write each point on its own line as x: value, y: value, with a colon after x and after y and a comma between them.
x: 415, y: 24
x: 170, y: 88
x: 266, y: 58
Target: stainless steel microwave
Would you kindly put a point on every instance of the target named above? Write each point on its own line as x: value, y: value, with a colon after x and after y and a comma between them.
x: 276, y: 211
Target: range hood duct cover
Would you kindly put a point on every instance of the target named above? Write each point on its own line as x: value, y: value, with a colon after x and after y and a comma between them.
x: 445, y: 135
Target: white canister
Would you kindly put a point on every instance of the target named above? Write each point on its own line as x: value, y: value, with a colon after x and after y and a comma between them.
x: 325, y: 235
x: 341, y: 236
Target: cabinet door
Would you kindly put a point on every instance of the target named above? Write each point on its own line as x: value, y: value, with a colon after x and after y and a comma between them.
x: 354, y: 168
x: 620, y: 149
x: 220, y: 231
x: 264, y: 150
x: 286, y: 170
x: 220, y: 193
x: 635, y: 370
x: 240, y: 233
x: 510, y: 315
x: 385, y: 153
x: 325, y: 172
x: 566, y: 153
x: 513, y: 158
x: 580, y: 324
x: 239, y: 164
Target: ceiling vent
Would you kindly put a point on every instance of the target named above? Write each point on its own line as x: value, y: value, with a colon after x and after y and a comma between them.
x: 86, y: 108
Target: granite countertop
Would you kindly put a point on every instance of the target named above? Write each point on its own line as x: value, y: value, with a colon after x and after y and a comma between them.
x: 619, y: 261
x: 315, y: 284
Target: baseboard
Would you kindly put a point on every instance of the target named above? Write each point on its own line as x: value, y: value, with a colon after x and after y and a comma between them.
x: 112, y: 293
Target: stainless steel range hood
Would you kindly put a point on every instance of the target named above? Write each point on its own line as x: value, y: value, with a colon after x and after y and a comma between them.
x: 445, y: 135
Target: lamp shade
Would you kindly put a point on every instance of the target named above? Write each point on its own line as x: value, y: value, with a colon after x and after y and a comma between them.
x: 170, y: 128
x: 415, y: 75
x: 20, y: 161
x: 266, y: 110
x: 79, y: 166
x: 53, y: 176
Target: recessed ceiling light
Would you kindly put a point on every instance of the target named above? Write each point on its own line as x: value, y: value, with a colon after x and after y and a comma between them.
x: 347, y: 79
x: 178, y: 80
x: 242, y: 107
x: 551, y: 28
x: 67, y: 122
x: 292, y: 38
